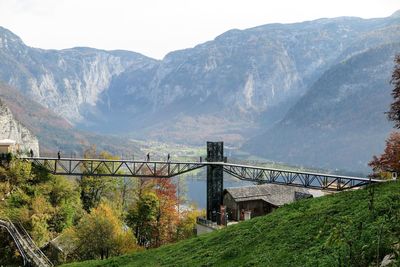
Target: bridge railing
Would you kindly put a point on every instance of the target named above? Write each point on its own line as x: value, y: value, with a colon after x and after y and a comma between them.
x: 39, y: 253
x: 7, y: 224
x: 30, y: 253
x: 166, y: 169
x: 296, y: 178
x: 116, y: 168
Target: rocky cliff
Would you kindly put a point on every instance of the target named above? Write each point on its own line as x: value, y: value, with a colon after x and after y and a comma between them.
x: 236, y: 85
x: 65, y: 81
x: 12, y: 129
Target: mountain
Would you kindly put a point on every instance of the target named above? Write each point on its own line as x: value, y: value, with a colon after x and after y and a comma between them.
x: 228, y: 88
x: 340, y: 121
x: 66, y: 81
x: 53, y: 132
x: 233, y: 88
x: 10, y: 128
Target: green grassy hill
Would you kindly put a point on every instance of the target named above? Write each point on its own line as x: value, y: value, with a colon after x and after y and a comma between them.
x: 336, y: 230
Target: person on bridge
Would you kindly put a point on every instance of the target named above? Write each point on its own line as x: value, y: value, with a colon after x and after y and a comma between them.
x: 59, y: 154
x: 31, y: 153
x: 148, y: 156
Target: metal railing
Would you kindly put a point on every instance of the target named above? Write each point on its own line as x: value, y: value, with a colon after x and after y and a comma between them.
x: 167, y: 169
x: 30, y: 253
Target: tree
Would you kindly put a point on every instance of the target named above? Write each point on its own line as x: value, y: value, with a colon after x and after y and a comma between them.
x: 94, y: 189
x: 101, y: 234
x: 389, y: 161
x: 394, y: 112
x: 181, y: 192
x: 154, y: 217
x: 167, y: 215
x: 187, y: 222
x: 142, y: 218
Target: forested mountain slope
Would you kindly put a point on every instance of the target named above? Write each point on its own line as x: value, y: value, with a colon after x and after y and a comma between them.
x: 340, y: 121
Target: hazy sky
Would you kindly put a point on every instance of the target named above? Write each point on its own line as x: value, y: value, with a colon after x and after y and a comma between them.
x: 156, y: 27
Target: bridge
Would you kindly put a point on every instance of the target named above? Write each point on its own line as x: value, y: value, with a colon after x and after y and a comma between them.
x: 216, y: 165
x: 168, y: 169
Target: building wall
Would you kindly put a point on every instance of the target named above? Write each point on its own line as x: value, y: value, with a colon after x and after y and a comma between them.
x: 4, y: 149
x: 231, y: 207
x: 236, y: 210
x: 203, y: 229
x: 257, y: 207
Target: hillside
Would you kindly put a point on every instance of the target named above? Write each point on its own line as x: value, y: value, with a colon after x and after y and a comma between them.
x: 340, y: 122
x: 336, y: 230
x: 54, y: 132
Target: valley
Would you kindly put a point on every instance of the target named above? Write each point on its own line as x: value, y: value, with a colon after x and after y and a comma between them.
x: 242, y: 87
x: 280, y: 137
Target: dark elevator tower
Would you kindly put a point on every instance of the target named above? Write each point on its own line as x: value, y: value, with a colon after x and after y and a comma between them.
x: 215, y: 179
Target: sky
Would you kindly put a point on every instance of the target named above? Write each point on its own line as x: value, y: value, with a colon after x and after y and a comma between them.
x: 156, y: 27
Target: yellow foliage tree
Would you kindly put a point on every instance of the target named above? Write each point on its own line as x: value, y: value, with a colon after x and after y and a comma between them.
x: 101, y: 234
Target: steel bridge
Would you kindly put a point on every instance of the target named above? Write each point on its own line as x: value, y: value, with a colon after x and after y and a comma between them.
x: 216, y: 165
x: 168, y: 169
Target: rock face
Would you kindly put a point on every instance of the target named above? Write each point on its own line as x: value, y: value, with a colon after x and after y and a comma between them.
x: 12, y: 129
x: 238, y: 83
x: 65, y: 80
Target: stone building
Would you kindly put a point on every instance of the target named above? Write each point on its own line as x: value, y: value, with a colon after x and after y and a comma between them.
x: 251, y: 201
x: 8, y: 146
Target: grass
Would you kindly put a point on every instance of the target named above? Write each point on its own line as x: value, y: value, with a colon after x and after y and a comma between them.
x: 336, y: 230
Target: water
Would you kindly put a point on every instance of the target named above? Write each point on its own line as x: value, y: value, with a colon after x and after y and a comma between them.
x: 196, y: 189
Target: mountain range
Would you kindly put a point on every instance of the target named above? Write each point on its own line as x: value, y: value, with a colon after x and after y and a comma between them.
x: 310, y: 93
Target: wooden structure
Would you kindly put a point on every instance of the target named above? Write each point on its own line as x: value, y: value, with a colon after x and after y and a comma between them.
x: 252, y: 201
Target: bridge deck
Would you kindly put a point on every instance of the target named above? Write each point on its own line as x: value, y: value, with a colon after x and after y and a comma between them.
x: 167, y: 169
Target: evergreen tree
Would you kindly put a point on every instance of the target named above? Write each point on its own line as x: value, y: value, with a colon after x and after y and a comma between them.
x: 394, y: 112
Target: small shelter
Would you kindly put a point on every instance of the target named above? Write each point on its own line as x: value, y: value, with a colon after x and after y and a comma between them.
x: 8, y: 146
x: 60, y: 250
x: 251, y: 201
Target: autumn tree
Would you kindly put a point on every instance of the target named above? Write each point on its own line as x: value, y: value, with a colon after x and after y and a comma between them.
x: 93, y: 188
x: 142, y: 218
x: 394, y: 112
x: 167, y: 215
x: 187, y: 222
x: 44, y: 203
x: 154, y: 216
x: 101, y: 234
x: 389, y: 161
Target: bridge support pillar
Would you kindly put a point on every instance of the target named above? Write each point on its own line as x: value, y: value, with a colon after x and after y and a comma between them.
x: 215, y: 180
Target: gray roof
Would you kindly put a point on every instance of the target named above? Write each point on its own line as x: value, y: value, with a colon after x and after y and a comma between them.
x: 274, y: 194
